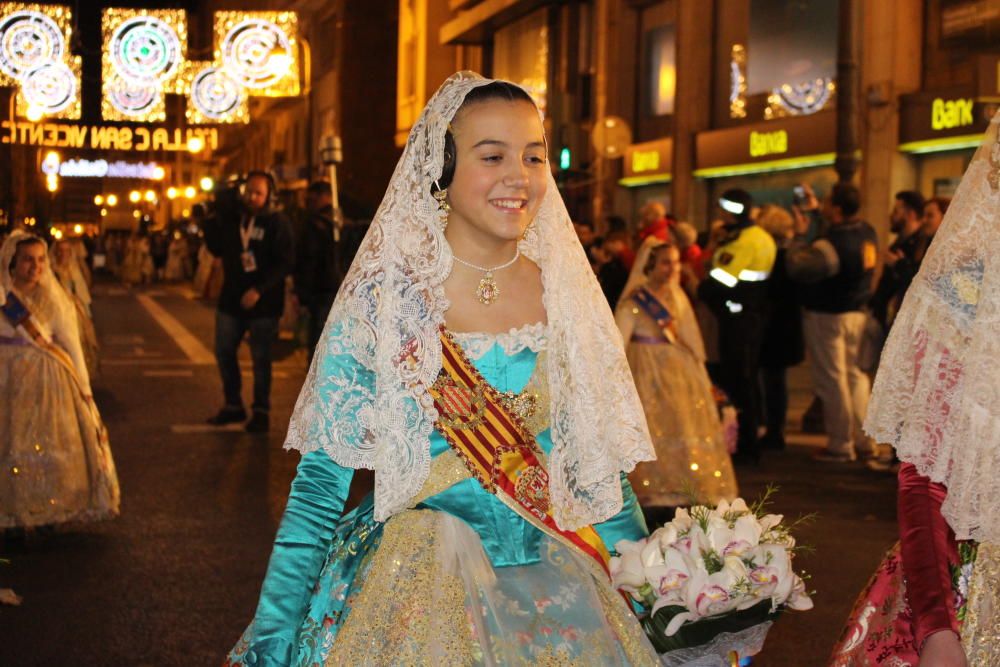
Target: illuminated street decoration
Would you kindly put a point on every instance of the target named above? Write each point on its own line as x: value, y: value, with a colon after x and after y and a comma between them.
x: 53, y: 89
x: 126, y: 101
x: 79, y: 168
x: 31, y: 38
x: 143, y: 60
x: 738, y: 82
x: 799, y: 99
x: 259, y: 50
x: 107, y: 137
x: 146, y: 49
x: 34, y: 56
x: 216, y: 97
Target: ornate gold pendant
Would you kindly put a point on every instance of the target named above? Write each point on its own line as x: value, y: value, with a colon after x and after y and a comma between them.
x: 488, y: 290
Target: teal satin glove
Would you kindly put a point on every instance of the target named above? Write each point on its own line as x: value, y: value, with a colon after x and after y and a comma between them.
x: 315, y: 504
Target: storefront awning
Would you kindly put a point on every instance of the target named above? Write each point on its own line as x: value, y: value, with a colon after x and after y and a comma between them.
x: 648, y: 163
x: 945, y: 120
x: 778, y: 145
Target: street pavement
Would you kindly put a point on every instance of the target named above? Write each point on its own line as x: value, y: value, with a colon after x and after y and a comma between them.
x: 174, y: 580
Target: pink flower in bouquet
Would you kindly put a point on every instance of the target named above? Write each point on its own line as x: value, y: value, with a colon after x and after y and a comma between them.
x: 773, y: 577
x: 764, y: 580
x: 668, y: 579
x: 736, y: 541
x: 708, y: 594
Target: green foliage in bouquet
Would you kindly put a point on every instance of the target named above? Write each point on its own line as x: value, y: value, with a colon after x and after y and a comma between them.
x: 703, y: 631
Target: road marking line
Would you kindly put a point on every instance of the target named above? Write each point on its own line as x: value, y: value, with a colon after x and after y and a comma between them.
x: 168, y: 374
x: 137, y: 361
x: 188, y: 429
x: 123, y: 340
x: 191, y: 346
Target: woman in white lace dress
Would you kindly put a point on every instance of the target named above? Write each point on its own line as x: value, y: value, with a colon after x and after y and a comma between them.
x: 55, y: 462
x: 471, y: 361
x: 68, y: 271
x: 667, y: 357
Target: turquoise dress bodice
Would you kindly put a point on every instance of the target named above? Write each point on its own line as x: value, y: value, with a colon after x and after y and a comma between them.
x: 312, y: 518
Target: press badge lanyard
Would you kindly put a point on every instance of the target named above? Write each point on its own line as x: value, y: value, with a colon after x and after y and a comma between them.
x: 246, y: 233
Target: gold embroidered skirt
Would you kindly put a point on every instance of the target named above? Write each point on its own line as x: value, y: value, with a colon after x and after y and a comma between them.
x: 54, y: 464
x: 692, y: 463
x: 430, y: 596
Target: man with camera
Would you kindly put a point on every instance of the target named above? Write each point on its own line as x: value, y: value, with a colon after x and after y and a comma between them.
x: 836, y: 273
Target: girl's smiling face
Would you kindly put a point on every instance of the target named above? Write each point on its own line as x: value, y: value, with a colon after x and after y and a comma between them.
x: 501, y: 171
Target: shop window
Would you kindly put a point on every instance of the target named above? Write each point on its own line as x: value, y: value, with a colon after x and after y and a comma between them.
x: 521, y: 54
x: 792, y: 54
x: 661, y: 79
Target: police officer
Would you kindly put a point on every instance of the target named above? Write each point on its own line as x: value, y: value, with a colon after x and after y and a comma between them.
x: 736, y: 293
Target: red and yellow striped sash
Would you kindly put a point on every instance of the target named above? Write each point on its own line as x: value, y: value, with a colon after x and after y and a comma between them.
x: 498, y: 450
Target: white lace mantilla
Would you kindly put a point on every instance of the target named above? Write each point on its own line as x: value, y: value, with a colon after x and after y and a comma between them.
x: 375, y: 412
x: 936, y: 397
x: 528, y: 337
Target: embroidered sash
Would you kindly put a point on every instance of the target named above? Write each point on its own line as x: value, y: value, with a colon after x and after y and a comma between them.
x: 498, y: 450
x: 658, y: 312
x: 20, y: 317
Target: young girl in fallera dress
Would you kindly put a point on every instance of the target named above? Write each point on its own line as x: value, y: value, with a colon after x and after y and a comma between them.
x: 935, y: 599
x: 471, y: 361
x: 667, y: 357
x: 55, y: 460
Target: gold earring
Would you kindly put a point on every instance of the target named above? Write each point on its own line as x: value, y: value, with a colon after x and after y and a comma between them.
x: 444, y: 208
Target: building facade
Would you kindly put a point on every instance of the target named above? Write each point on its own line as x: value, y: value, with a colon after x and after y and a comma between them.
x: 678, y: 100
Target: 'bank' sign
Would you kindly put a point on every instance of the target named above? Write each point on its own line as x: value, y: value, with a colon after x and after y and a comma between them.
x: 948, y: 114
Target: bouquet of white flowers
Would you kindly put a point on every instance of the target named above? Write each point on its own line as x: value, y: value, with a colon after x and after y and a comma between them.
x: 709, y: 572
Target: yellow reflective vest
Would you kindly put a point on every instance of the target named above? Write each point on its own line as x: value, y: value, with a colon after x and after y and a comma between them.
x: 748, y: 257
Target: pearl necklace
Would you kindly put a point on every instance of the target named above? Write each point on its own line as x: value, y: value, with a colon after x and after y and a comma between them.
x: 488, y: 291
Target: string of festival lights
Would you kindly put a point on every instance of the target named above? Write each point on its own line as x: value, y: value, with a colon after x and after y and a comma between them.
x: 144, y: 59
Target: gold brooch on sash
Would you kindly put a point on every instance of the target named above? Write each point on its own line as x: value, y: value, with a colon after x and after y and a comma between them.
x: 523, y: 405
x: 463, y: 408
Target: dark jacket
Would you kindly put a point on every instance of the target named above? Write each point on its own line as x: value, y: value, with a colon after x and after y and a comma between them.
x: 896, y: 279
x: 784, y: 343
x: 273, y: 251
x: 318, y: 274
x: 846, y: 257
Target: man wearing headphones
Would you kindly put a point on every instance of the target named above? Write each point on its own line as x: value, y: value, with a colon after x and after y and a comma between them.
x: 255, y: 244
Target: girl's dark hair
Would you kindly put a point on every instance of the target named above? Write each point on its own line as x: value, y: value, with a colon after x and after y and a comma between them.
x: 31, y: 240
x: 497, y: 90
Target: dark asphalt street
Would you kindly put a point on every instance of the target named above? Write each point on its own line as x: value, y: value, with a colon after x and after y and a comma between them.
x: 174, y: 580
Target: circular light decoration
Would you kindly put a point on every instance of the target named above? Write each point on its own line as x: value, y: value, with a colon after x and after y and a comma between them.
x: 130, y: 99
x: 250, y: 50
x: 50, y: 88
x: 215, y: 94
x: 145, y: 50
x: 802, y: 99
x: 28, y: 40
